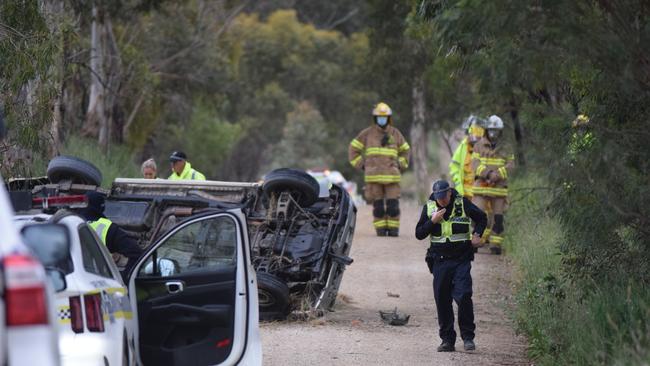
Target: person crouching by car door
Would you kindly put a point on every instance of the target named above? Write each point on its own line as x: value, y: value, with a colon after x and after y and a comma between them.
x: 111, y: 235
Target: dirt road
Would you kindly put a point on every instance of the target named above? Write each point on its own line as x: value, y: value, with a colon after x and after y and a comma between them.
x: 355, y: 335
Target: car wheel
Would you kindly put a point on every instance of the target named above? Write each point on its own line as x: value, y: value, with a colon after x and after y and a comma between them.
x: 302, y: 185
x: 273, y: 297
x: 77, y: 170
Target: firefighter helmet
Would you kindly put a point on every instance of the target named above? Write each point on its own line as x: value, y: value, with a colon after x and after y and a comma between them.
x: 494, y: 123
x: 469, y: 122
x: 475, y: 132
x: 581, y: 120
x: 382, y: 109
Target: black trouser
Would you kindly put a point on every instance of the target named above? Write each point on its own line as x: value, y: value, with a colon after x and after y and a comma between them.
x: 452, y: 280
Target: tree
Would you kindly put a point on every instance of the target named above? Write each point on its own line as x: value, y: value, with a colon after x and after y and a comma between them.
x: 302, y: 145
x: 546, y: 62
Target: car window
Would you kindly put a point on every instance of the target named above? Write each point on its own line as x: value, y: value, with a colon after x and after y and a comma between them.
x: 51, y: 245
x: 93, y: 259
x: 204, y: 245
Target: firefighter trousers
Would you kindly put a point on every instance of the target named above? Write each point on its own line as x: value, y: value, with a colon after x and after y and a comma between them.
x: 385, y: 202
x: 495, y: 228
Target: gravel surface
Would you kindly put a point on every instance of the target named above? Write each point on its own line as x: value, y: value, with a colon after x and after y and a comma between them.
x: 384, y: 268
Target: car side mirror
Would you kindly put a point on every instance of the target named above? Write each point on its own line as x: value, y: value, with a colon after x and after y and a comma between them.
x: 165, y: 267
x: 57, y: 279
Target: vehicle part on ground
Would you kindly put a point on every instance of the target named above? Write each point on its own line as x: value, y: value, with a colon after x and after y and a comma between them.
x: 394, y: 317
x: 302, y: 186
x: 69, y: 168
x: 273, y: 295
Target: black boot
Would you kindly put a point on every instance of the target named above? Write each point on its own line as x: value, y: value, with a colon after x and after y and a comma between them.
x: 446, y: 347
x: 381, y: 232
x: 393, y: 232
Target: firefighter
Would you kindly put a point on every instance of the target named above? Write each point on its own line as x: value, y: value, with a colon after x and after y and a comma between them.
x: 446, y: 220
x: 116, y: 240
x: 582, y: 139
x: 492, y: 163
x: 460, y: 167
x: 182, y: 169
x: 382, y: 153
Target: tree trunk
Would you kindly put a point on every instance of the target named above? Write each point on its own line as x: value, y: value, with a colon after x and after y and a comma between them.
x: 96, y: 119
x: 54, y: 12
x: 419, y: 140
x: 519, y: 136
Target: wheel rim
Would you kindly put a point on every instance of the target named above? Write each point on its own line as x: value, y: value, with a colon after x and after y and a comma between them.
x: 265, y: 298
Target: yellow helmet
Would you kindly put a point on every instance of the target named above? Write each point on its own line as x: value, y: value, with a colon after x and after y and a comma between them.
x: 476, y: 131
x: 581, y: 120
x: 382, y: 109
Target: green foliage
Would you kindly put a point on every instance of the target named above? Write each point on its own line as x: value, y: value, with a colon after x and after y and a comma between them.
x: 27, y: 52
x: 206, y: 139
x: 301, y: 144
x: 118, y: 162
x: 279, y: 62
x: 546, y: 62
x: 569, y: 321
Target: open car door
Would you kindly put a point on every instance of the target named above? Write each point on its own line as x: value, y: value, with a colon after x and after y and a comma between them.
x: 195, y: 295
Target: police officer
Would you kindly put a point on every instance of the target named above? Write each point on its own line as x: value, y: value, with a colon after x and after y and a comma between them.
x: 446, y: 220
x: 111, y: 235
x: 182, y: 169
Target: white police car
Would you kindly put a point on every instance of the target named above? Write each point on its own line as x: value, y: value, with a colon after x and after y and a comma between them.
x: 193, y: 294
x: 96, y: 325
x: 28, y: 333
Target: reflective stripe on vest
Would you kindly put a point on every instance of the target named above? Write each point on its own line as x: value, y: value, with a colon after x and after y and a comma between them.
x: 457, y: 217
x: 101, y: 227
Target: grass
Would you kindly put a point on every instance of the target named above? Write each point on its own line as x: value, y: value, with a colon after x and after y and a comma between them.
x: 117, y: 163
x: 569, y: 321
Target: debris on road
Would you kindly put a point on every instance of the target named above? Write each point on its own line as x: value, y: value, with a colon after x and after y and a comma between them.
x: 390, y: 294
x: 394, y: 317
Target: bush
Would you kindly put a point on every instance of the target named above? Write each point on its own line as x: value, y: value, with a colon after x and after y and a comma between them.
x: 568, y: 319
x: 118, y: 162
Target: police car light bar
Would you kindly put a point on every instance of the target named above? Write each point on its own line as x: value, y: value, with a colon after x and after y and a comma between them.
x: 76, y: 201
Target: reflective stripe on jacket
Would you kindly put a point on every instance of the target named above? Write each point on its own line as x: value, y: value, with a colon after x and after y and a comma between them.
x: 381, y: 164
x: 486, y: 158
x: 101, y: 227
x: 187, y: 174
x: 456, y: 228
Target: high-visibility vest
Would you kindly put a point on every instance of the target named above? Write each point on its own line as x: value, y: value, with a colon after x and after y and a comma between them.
x: 188, y: 173
x: 456, y: 229
x: 101, y: 227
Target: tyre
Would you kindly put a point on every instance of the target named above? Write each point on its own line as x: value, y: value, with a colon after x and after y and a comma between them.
x: 79, y: 171
x: 303, y: 187
x: 273, y: 297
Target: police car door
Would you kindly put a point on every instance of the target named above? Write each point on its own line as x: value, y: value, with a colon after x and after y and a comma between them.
x: 190, y: 291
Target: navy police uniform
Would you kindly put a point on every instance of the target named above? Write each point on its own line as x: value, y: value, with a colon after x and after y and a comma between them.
x: 449, y: 260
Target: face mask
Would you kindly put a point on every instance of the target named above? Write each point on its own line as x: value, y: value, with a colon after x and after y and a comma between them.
x: 381, y: 120
x: 493, y: 134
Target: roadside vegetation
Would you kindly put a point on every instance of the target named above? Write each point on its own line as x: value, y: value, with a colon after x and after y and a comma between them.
x: 569, y: 320
x: 246, y: 86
